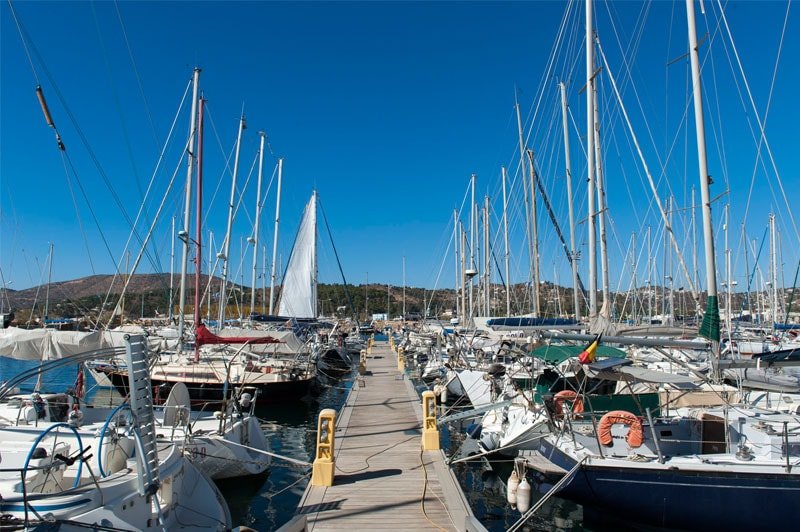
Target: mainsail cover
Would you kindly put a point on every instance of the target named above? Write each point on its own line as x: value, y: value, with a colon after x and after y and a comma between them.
x: 203, y: 336
x: 299, y: 294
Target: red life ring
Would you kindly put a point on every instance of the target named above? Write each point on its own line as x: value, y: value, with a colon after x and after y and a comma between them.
x: 571, y: 396
x: 635, y: 436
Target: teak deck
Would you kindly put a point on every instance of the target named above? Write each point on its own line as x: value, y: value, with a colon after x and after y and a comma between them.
x: 381, y: 473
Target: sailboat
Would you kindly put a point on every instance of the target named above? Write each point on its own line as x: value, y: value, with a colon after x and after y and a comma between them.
x: 730, y: 467
x: 298, y: 298
x: 70, y: 467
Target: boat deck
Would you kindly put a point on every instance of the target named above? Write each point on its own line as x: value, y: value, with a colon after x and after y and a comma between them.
x: 383, y: 480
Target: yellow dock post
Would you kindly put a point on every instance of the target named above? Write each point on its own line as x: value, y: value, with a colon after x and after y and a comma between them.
x: 401, y: 360
x: 322, y: 472
x: 362, y: 363
x: 430, y: 432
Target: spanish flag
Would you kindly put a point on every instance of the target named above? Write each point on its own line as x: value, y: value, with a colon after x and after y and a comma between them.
x: 588, y: 354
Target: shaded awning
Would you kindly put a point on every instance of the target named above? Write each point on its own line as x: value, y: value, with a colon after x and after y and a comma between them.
x: 630, y: 373
x: 556, y: 354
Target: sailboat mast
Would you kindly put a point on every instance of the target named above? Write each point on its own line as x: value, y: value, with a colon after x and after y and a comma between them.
x: 315, y: 270
x: 710, y: 326
x: 694, y: 241
x: 471, y: 246
x: 728, y: 296
x: 254, y: 240
x: 590, y: 157
x: 187, y: 210
x: 226, y: 254
x: 264, y: 280
x: 525, y: 194
x: 463, y: 275
x: 601, y: 205
x: 568, y: 163
x: 172, y: 271
x: 275, y: 238
x: 649, y: 277
x: 198, y: 257
x: 534, y: 236
x: 486, y: 256
x: 773, y: 267
x: 49, y: 280
x: 456, y: 247
x: 211, y: 271
x: 505, y: 240
x: 404, y: 288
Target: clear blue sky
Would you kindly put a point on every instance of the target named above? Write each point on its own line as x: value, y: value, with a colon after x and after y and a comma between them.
x: 386, y: 109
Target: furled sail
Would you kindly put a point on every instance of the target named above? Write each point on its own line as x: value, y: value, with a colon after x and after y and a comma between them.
x: 299, y: 293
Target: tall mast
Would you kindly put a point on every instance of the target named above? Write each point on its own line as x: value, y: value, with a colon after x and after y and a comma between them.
x: 728, y: 287
x: 275, y: 237
x: 670, y: 276
x: 633, y: 270
x: 527, y: 200
x: 534, y: 236
x: 404, y: 288
x: 695, y: 270
x: 710, y: 326
x: 590, y: 157
x: 187, y: 210
x: 567, y: 161
x: 254, y: 240
x: 471, y: 246
x: 49, y: 280
x: 456, y: 246
x: 773, y: 267
x: 263, y: 280
x: 601, y: 204
x: 225, y: 256
x: 463, y: 275
x: 198, y: 257
x: 505, y: 239
x: 210, y: 271
x: 649, y: 277
x: 128, y: 280
x: 172, y: 271
x: 486, y: 256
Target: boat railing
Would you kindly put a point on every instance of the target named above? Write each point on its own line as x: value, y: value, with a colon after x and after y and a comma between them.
x: 52, y: 365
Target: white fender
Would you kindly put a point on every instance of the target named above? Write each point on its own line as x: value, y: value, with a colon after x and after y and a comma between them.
x: 511, y: 489
x: 523, y: 496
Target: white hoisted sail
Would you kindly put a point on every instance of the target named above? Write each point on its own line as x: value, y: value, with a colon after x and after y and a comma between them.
x: 299, y: 294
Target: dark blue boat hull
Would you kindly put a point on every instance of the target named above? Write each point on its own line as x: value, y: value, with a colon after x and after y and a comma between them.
x: 684, y: 500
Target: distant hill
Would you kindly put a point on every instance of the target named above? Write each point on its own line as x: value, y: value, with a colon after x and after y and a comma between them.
x: 148, y: 295
x: 92, y: 286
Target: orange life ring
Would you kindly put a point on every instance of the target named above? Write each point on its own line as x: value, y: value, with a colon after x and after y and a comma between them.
x: 635, y: 436
x: 568, y: 395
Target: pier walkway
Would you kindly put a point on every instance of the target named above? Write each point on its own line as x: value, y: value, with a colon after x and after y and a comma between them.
x: 381, y: 474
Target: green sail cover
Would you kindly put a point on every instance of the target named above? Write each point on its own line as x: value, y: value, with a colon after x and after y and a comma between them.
x: 710, y: 326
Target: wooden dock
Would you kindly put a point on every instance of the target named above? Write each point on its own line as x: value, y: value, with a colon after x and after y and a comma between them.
x: 381, y: 472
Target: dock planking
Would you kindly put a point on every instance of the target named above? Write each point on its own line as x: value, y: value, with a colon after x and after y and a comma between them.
x: 381, y: 471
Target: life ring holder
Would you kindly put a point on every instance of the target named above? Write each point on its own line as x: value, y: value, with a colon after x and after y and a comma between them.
x: 567, y: 395
x: 635, y: 435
